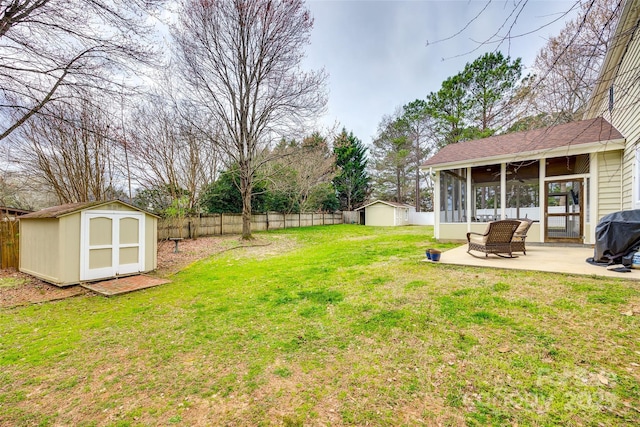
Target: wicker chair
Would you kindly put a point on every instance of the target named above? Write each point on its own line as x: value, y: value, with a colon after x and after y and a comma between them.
x: 517, y: 241
x: 495, y: 240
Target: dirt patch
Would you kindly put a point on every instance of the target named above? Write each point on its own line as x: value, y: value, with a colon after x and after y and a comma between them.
x: 21, y: 289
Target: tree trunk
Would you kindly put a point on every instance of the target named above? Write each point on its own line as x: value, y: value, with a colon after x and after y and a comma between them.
x: 246, y: 187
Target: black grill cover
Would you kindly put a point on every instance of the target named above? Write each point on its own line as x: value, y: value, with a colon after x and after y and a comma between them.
x: 617, y: 234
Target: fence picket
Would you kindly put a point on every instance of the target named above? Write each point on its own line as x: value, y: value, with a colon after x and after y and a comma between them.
x: 217, y: 224
x: 9, y: 244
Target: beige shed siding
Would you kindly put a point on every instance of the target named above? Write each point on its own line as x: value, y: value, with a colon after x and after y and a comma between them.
x: 151, y: 243
x: 35, y: 258
x: 609, y: 182
x: 379, y: 214
x: 69, y: 248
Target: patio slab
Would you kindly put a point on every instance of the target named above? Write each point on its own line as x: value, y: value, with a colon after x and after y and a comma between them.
x: 124, y: 285
x: 552, y: 259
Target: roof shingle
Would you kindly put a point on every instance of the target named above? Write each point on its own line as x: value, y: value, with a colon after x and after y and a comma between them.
x: 564, y: 135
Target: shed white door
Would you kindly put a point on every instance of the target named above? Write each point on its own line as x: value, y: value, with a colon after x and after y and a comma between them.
x: 112, y: 244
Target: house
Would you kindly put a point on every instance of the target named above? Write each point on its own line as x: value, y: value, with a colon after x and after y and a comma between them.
x: 82, y: 242
x: 381, y: 213
x: 564, y: 177
x: 616, y: 97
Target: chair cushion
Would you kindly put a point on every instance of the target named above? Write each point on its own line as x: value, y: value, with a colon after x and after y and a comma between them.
x: 475, y: 238
x: 522, y: 228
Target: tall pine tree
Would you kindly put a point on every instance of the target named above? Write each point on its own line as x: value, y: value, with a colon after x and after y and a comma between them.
x: 352, y: 180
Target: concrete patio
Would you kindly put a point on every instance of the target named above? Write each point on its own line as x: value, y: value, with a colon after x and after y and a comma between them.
x: 547, y: 258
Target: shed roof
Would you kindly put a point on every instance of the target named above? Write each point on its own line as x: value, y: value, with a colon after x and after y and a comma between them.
x: 69, y: 208
x: 583, y: 132
x: 392, y: 204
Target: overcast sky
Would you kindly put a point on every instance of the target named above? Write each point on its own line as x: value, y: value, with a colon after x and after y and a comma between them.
x: 381, y: 54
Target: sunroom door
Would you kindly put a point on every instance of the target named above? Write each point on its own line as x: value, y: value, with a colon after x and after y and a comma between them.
x: 564, y: 211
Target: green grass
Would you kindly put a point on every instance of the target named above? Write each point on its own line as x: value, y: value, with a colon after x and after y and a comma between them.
x: 346, y: 327
x: 9, y: 282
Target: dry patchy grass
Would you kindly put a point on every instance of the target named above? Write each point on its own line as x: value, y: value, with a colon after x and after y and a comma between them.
x: 339, y: 326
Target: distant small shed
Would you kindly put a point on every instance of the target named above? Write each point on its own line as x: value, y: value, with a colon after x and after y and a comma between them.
x: 82, y: 242
x: 381, y: 213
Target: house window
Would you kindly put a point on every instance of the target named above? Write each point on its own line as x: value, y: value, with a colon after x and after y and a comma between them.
x: 453, y: 195
x: 610, y: 99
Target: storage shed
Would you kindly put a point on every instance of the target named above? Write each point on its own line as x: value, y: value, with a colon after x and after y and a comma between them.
x: 83, y: 242
x: 381, y: 213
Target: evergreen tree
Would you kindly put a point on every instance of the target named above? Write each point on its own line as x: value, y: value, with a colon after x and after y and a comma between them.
x: 475, y: 103
x: 390, y: 158
x: 491, y: 83
x: 352, y: 180
x: 223, y: 195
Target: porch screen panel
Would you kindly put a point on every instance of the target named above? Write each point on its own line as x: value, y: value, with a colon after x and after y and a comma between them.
x: 453, y: 195
x: 523, y: 190
x: 485, y: 185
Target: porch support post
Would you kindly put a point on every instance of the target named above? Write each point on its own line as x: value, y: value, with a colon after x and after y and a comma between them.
x: 436, y: 205
x: 542, y: 203
x: 469, y: 197
x: 594, y: 167
x: 503, y: 190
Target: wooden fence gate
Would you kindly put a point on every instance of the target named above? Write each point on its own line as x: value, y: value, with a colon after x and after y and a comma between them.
x: 9, y: 244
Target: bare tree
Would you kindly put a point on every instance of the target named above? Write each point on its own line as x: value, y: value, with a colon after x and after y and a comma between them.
x: 170, y: 151
x: 302, y: 171
x: 51, y: 50
x: 70, y: 151
x: 567, y: 67
x: 241, y: 59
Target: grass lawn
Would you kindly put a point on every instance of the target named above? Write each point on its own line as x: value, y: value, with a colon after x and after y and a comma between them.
x: 345, y: 327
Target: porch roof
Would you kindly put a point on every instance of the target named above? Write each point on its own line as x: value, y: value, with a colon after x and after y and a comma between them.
x: 582, y: 136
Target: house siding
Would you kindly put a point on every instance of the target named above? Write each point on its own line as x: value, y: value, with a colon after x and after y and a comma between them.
x: 617, y: 193
x: 609, y: 182
x: 624, y: 115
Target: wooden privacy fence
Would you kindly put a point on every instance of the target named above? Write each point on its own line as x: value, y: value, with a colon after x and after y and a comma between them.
x: 9, y: 243
x: 218, y: 224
